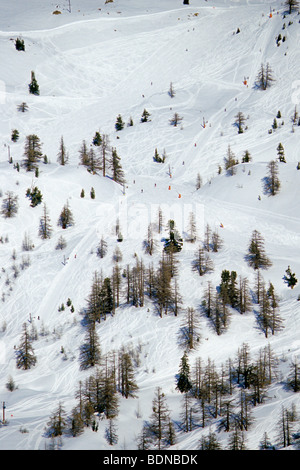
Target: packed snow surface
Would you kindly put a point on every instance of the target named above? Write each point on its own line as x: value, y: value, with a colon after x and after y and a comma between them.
x: 95, y: 62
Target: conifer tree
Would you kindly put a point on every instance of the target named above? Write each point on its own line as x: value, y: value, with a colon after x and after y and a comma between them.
x: 280, y: 153
x: 32, y: 152
x: 126, y: 380
x: 230, y: 162
x: 119, y: 125
x: 293, y: 5
x: 183, y: 382
x: 66, y: 217
x: 84, y: 154
x: 33, y: 86
x: 240, y: 121
x: 90, y: 354
x: 9, y: 205
x: 111, y: 433
x: 57, y: 422
x: 272, y: 183
x: 45, y: 229
x: 145, y: 116
x: 256, y: 252
x: 25, y: 357
x: 202, y: 262
x: 159, y: 423
x: 62, y: 156
x: 290, y: 278
x: 116, y: 167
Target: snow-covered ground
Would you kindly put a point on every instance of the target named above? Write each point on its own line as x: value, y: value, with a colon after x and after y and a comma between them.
x: 91, y: 64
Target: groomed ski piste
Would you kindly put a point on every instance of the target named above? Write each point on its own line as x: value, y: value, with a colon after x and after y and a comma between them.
x: 92, y: 64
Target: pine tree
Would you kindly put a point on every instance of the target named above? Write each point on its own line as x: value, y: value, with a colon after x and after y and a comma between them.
x: 25, y: 357
x: 32, y: 152
x: 293, y: 5
x: 265, y: 77
x: 230, y: 162
x: 9, y: 205
x: 256, y: 252
x: 45, y: 229
x: 57, y: 423
x: 190, y: 329
x: 35, y: 196
x: 280, y: 153
x: 171, y: 91
x: 202, y: 262
x: 102, y: 248
x: 183, y: 382
x: 116, y: 167
x: 159, y: 424
x: 290, y: 278
x: 19, y: 44
x: 240, y: 121
x: 176, y: 119
x: 90, y: 354
x: 119, y: 125
x: 293, y: 380
x: 111, y: 433
x: 126, y: 380
x: 62, y: 156
x: 66, y: 217
x: 84, y: 154
x: 33, y: 86
x: 145, y: 116
x: 271, y: 182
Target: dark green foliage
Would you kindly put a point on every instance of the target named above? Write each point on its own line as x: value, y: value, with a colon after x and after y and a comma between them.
x: 290, y: 278
x: 97, y: 140
x: 280, y: 153
x: 15, y: 135
x: 19, y: 44
x: 35, y: 196
x: 183, y: 382
x: 90, y: 351
x: 25, y: 357
x: 32, y: 152
x: 256, y: 252
x: 33, y: 85
x: 145, y: 116
x: 116, y: 167
x: 119, y: 125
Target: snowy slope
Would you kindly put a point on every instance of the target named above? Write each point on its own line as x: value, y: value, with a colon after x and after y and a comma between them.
x: 91, y: 65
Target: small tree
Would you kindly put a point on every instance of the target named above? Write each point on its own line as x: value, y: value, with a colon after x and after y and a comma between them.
x: 230, y: 162
x: 45, y: 229
x: 240, y: 121
x: 19, y: 44
x: 145, y: 116
x: 293, y: 5
x: 176, y: 119
x: 119, y: 125
x: 116, y: 167
x: 290, y: 278
x: 25, y: 356
x: 57, y: 422
x: 62, y: 156
x: 280, y: 153
x: 35, y: 196
x: 272, y: 182
x: 256, y: 252
x: 32, y: 152
x: 265, y: 77
x: 66, y: 217
x: 33, y: 85
x: 171, y: 90
x: 9, y: 205
x: 183, y: 381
